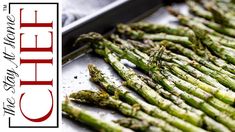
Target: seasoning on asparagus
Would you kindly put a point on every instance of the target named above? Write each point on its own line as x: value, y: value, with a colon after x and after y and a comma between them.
x: 215, y: 47
x: 81, y: 115
x: 154, y: 73
x: 230, y: 95
x: 177, y: 100
x: 112, y: 88
x: 190, y: 22
x: 198, y: 10
x: 177, y: 30
x: 137, y: 34
x: 104, y: 100
x: 137, y: 125
x: 195, y: 91
x: 224, y: 79
x: 190, y: 54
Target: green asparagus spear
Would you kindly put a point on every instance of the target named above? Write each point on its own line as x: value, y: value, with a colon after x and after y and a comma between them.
x: 196, y: 102
x: 198, y: 92
x: 199, y: 75
x: 177, y: 100
x: 85, y: 117
x: 178, y: 30
x: 109, y: 86
x: 215, y: 13
x: 104, y: 100
x: 220, y: 18
x: 155, y: 74
x: 217, y: 27
x: 225, y: 42
x: 198, y: 10
x: 222, y: 63
x: 137, y: 125
x: 225, y: 80
x: 215, y: 47
x: 137, y: 34
x: 123, y: 70
x: 223, y: 95
x: 190, y: 54
x: 226, y: 6
x: 159, y: 28
x: 190, y: 22
x: 150, y: 95
x: 201, y: 94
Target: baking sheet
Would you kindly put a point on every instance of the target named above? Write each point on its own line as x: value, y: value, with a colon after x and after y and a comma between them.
x: 75, y: 75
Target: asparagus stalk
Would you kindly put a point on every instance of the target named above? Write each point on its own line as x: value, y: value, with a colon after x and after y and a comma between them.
x: 215, y: 13
x: 109, y: 86
x: 158, y: 28
x: 177, y: 100
x: 215, y: 47
x: 220, y: 18
x: 190, y: 22
x: 137, y: 125
x: 133, y: 81
x: 137, y: 34
x: 178, y: 30
x: 85, y: 117
x: 196, y: 101
x: 155, y: 74
x: 122, y: 70
x: 202, y: 94
x: 208, y: 64
x: 198, y: 10
x: 103, y: 99
x: 225, y: 42
x: 199, y: 75
x: 225, y: 80
x: 190, y: 54
x: 196, y: 91
x: 227, y: 6
x: 225, y: 96
x: 217, y: 27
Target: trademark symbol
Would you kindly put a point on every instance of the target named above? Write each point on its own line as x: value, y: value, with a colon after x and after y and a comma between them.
x: 4, y: 7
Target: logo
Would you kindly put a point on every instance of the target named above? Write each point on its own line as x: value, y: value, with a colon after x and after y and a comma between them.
x: 30, y: 64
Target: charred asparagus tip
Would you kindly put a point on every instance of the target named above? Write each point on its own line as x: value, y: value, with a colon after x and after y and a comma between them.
x: 173, y: 11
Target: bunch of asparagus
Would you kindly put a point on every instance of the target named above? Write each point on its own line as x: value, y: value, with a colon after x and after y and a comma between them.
x: 187, y: 75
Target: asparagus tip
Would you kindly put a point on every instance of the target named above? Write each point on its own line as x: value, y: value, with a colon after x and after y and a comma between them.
x: 173, y: 11
x: 92, y: 36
